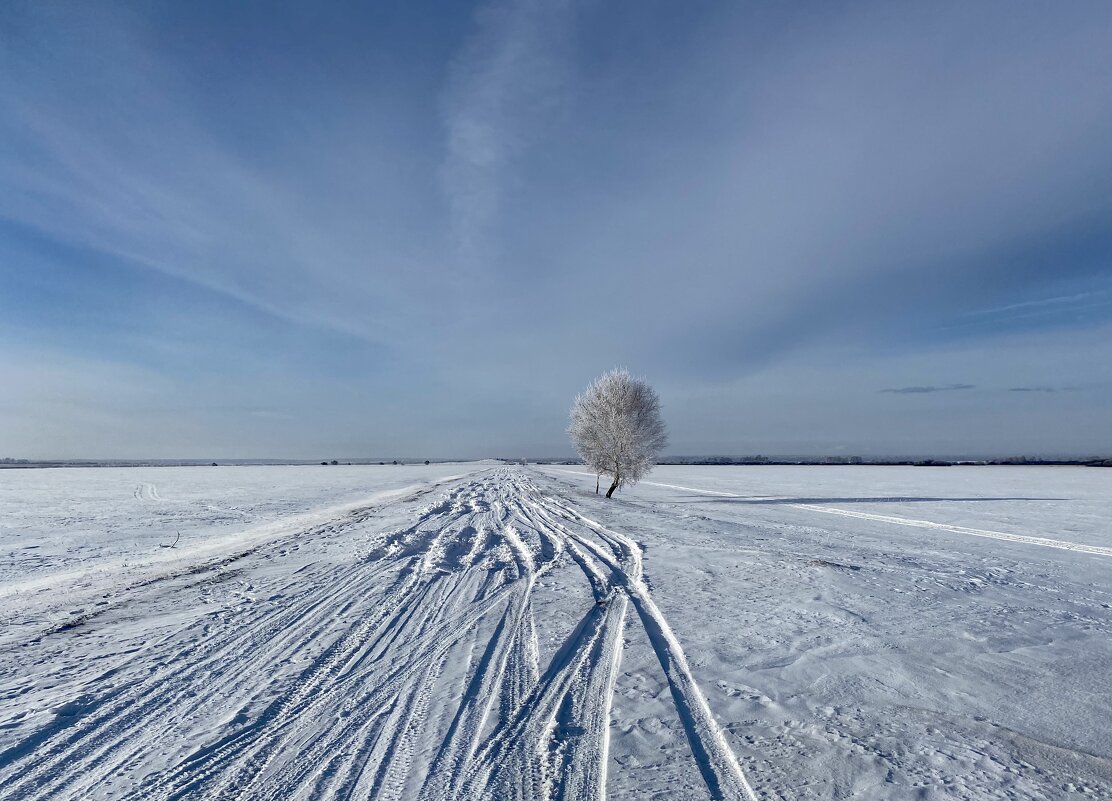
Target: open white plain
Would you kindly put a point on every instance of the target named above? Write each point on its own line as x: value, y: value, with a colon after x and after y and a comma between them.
x: 477, y: 631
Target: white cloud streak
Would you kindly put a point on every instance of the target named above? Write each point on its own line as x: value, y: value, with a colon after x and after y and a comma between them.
x: 119, y: 159
x: 506, y: 79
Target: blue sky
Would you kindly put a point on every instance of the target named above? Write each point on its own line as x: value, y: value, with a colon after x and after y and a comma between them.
x: 330, y: 229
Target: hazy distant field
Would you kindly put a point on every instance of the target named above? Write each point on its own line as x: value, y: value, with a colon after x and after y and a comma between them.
x: 479, y: 631
x: 60, y: 518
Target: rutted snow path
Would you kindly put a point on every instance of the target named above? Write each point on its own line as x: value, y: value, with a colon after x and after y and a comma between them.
x: 1045, y: 542
x: 404, y: 663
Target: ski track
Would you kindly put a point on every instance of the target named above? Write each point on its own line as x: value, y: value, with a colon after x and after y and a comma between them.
x: 1045, y: 542
x: 427, y: 629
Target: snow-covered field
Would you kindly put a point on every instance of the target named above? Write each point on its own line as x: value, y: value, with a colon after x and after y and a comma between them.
x: 475, y: 631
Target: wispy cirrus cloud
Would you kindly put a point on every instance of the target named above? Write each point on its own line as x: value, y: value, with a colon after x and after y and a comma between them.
x: 1061, y: 301
x: 925, y: 390
x: 505, y: 79
x: 121, y: 157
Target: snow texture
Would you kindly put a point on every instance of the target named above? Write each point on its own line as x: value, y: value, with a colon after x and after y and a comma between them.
x: 478, y: 631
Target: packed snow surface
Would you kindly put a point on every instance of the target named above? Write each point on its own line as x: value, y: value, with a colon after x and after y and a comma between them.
x: 475, y: 631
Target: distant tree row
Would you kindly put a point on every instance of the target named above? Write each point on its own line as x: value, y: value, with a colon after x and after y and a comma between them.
x: 336, y: 462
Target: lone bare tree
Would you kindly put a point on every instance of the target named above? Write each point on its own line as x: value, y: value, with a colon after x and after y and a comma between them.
x: 617, y: 429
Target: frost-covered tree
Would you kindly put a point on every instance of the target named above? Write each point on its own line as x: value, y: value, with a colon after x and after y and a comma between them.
x: 617, y: 428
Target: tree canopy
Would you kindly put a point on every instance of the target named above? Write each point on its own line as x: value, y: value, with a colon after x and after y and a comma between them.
x: 617, y: 428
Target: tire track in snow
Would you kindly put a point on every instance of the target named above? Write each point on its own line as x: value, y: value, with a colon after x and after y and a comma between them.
x: 1046, y: 542
x: 99, y: 742
x: 716, y: 760
x: 100, y: 739
x: 248, y: 752
x: 421, y: 674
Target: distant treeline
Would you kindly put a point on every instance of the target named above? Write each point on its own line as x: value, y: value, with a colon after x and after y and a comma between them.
x: 852, y: 460
x: 9, y: 462
x: 863, y: 460
x: 672, y: 460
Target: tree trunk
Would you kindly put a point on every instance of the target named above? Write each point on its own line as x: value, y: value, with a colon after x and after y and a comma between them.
x: 613, y: 486
x: 598, y: 477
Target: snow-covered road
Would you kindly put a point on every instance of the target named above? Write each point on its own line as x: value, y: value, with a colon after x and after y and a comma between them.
x: 407, y: 663
x: 501, y: 633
